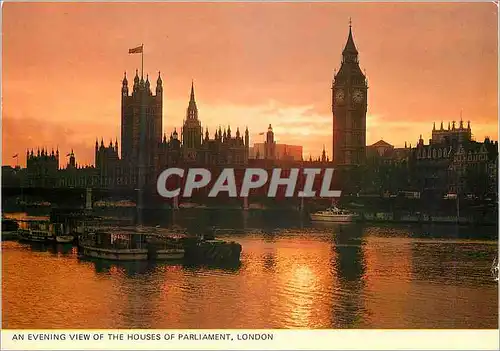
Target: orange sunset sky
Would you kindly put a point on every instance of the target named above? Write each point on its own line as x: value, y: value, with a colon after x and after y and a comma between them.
x: 252, y: 64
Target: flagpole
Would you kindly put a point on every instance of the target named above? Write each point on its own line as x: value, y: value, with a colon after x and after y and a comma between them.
x: 142, y: 60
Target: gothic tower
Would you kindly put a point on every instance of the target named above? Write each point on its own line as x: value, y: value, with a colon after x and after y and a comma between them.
x: 270, y: 145
x: 349, y: 105
x: 141, y: 124
x: 191, y: 130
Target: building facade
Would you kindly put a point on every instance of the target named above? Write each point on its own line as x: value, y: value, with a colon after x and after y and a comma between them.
x: 270, y: 150
x: 453, y: 162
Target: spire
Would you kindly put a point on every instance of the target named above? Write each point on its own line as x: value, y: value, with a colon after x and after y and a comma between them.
x: 125, y: 81
x: 159, y: 82
x: 192, y: 110
x: 136, y: 78
x: 441, y: 125
x: 350, y: 48
x: 434, y: 126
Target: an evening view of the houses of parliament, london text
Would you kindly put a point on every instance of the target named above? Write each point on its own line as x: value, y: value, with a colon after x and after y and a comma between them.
x: 249, y: 166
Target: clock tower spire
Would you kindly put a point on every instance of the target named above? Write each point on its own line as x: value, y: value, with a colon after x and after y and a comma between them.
x: 349, y: 106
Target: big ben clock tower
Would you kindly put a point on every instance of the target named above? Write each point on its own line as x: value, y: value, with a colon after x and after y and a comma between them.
x: 349, y: 104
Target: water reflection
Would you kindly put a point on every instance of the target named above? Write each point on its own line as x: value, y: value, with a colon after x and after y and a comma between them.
x: 128, y: 269
x: 349, y: 264
x: 465, y: 261
x: 231, y: 267
x: 269, y: 262
x: 319, y: 276
x: 53, y: 248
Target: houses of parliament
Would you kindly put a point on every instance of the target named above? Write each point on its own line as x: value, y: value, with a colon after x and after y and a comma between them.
x: 146, y: 150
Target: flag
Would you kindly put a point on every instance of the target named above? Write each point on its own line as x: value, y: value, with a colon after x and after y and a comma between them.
x: 68, y: 155
x: 16, y: 155
x: 137, y: 50
x: 261, y: 133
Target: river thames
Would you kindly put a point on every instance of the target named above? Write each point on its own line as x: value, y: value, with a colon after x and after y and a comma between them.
x: 296, y: 276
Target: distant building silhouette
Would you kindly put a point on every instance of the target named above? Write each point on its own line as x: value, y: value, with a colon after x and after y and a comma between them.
x: 42, y: 168
x: 452, y: 135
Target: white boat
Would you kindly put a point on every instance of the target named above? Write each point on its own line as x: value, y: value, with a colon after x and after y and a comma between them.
x: 64, y: 239
x: 334, y: 214
x: 59, y: 235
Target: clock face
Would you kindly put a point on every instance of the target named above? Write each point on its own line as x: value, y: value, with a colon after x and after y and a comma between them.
x: 339, y: 95
x: 357, y: 96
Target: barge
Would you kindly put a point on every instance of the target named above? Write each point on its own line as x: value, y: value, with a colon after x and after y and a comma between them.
x: 120, y: 244
x: 154, y: 244
x: 43, y: 231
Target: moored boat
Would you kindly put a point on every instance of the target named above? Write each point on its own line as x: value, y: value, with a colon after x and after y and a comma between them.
x: 212, y: 251
x: 129, y: 245
x: 10, y: 228
x: 33, y: 230
x: 334, y: 214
